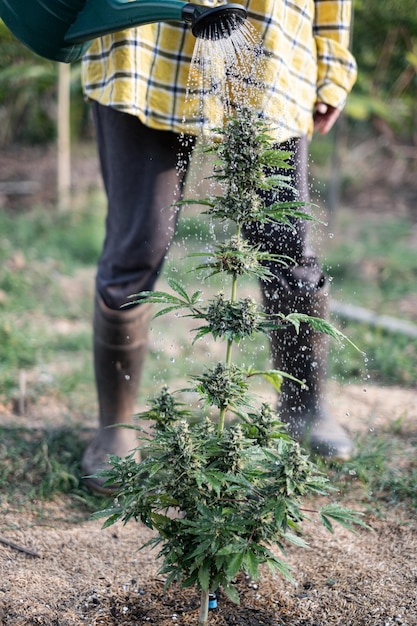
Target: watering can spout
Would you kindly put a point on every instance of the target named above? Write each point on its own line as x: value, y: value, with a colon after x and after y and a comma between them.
x: 216, y: 23
x: 62, y: 30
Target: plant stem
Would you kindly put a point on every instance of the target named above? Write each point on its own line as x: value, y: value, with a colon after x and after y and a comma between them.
x: 220, y: 426
x: 203, y: 617
x: 228, y: 359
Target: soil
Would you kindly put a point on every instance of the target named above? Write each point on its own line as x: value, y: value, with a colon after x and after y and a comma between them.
x: 82, y: 574
x: 78, y: 573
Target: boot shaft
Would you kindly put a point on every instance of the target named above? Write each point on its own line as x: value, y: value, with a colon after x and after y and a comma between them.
x: 120, y: 343
x: 302, y: 354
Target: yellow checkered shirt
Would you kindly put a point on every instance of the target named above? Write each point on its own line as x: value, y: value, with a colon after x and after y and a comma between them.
x: 144, y: 71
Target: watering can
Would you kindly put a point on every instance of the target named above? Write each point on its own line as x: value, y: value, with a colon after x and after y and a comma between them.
x: 62, y: 30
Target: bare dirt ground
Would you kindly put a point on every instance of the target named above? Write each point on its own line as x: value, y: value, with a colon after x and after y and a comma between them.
x: 81, y: 574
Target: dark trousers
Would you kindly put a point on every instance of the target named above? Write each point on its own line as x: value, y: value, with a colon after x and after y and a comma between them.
x: 142, y: 180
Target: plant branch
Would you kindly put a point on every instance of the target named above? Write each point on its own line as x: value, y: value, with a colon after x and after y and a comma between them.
x: 15, y: 546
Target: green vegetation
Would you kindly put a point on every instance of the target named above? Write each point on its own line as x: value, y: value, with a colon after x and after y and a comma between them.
x: 41, y: 255
x: 28, y: 94
x: 47, y: 270
x: 46, y: 258
x: 373, y: 264
x: 40, y: 465
x: 384, y: 43
x: 383, y: 473
x: 221, y: 481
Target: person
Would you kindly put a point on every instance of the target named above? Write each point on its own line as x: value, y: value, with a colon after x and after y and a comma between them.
x: 136, y: 81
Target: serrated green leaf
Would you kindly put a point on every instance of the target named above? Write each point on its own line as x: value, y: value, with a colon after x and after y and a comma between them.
x: 166, y: 310
x: 227, y: 550
x: 204, y: 577
x: 112, y: 519
x: 274, y: 378
x: 159, y: 521
x: 200, y: 549
x: 296, y: 540
x: 231, y: 593
x: 343, y: 516
x: 172, y: 577
x: 326, y: 522
x: 281, y: 566
x: 190, y: 581
x: 202, y: 202
x: 320, y: 325
x: 200, y: 332
x: 235, y: 564
x: 252, y: 564
x: 177, y: 287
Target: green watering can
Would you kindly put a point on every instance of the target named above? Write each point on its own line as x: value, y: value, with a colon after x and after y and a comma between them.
x: 62, y: 30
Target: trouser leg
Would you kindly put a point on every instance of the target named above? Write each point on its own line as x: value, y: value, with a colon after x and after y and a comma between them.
x: 142, y: 180
x: 301, y: 287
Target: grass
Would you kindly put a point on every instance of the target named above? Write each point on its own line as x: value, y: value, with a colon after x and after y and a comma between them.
x: 383, y: 471
x: 40, y: 465
x: 373, y: 260
x: 48, y: 263
x: 373, y: 264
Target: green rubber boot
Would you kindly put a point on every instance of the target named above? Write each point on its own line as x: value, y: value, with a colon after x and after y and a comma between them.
x: 304, y: 355
x: 120, y: 346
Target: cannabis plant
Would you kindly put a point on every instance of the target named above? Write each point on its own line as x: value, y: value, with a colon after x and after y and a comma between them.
x: 221, y: 489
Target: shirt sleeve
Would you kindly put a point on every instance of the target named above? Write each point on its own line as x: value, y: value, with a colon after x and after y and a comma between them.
x: 336, y: 66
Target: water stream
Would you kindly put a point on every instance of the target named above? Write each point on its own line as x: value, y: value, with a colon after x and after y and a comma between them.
x: 226, y: 73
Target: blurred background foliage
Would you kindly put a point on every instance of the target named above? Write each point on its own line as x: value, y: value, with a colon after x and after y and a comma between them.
x: 28, y: 95
x: 384, y: 100
x: 369, y: 162
x: 384, y: 43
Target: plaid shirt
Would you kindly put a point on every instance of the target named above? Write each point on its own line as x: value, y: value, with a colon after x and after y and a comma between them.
x: 144, y: 71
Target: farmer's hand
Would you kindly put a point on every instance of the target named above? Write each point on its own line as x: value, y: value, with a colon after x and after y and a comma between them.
x: 324, y: 117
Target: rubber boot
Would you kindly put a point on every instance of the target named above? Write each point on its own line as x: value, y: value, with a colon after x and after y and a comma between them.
x: 304, y: 289
x: 120, y: 345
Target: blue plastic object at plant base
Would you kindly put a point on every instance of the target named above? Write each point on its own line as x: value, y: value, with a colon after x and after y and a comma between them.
x: 212, y: 603
x: 62, y: 30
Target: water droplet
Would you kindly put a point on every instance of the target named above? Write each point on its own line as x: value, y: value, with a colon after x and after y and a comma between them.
x: 172, y: 359
x: 127, y: 376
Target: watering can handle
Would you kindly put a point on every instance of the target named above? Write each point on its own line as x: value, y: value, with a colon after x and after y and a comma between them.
x: 62, y: 30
